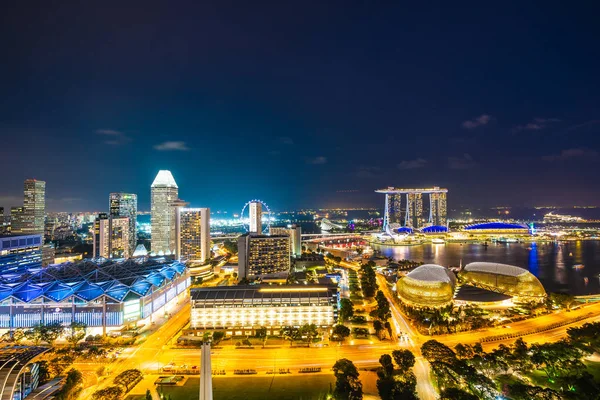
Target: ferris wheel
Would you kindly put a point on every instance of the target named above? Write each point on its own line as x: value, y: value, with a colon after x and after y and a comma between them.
x: 265, y: 220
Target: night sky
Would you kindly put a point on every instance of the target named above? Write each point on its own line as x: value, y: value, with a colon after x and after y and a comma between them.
x: 300, y: 104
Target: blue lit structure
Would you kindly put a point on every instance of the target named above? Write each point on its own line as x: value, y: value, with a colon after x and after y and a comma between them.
x: 405, y: 229
x: 20, y: 253
x: 100, y: 293
x: 435, y: 229
x: 498, y: 226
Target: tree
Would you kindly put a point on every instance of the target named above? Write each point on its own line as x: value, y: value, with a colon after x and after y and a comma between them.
x: 51, y: 332
x: 368, y: 279
x: 127, y: 378
x: 405, y: 389
x: 404, y: 359
x: 385, y: 377
x: 71, y: 388
x: 586, y: 337
x: 34, y: 334
x: 109, y: 393
x: 433, y: 350
x: 456, y: 394
x: 347, y: 384
x: 261, y: 333
x: 308, y: 332
x: 77, y: 331
x: 340, y: 332
x: 230, y: 246
x: 148, y: 394
x: 378, y: 326
x: 217, y: 336
x: 562, y: 300
x: 558, y: 359
x: 522, y: 391
x: 290, y: 333
x: 383, y: 307
x: 346, y: 310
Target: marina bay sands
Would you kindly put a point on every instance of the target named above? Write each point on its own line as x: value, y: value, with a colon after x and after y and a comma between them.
x: 411, y: 213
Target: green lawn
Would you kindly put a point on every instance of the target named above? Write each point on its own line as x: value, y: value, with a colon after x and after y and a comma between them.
x: 296, y: 387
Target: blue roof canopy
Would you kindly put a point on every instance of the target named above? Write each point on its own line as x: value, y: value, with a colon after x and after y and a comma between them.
x: 496, y: 226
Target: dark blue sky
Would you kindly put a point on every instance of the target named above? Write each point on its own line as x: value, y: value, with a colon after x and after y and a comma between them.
x: 297, y: 103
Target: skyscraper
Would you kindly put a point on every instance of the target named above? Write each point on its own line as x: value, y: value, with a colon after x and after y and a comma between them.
x: 193, y: 234
x: 164, y: 192
x: 437, y: 209
x: 30, y: 220
x: 255, y: 211
x: 260, y: 255
x: 101, y: 243
x: 125, y: 205
x: 16, y: 220
x: 295, y: 234
x: 111, y: 237
x: 414, y: 210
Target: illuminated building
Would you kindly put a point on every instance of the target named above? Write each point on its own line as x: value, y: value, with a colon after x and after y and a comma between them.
x: 193, y: 234
x: 240, y: 310
x: 125, y: 205
x: 20, y: 253
x: 111, y: 237
x: 295, y: 234
x: 20, y: 372
x: 497, y: 228
x: 504, y: 279
x: 263, y: 255
x: 34, y: 207
x: 1, y: 216
x: 164, y: 192
x: 429, y: 285
x: 103, y: 295
x: 255, y: 211
x: 414, y: 208
x: 16, y: 220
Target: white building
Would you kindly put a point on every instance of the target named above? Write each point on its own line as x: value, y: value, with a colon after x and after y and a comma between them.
x: 164, y: 192
x: 193, y: 234
x: 125, y: 205
x: 29, y: 219
x: 111, y: 237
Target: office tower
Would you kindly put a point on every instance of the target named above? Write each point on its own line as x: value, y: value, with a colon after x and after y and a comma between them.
x: 437, y: 209
x: 255, y: 212
x: 125, y: 205
x: 111, y: 237
x: 394, y: 204
x: 294, y: 232
x: 34, y: 207
x: 20, y: 254
x: 263, y: 255
x: 16, y: 220
x: 164, y: 192
x: 414, y: 210
x: 101, y: 243
x: 1, y: 215
x: 193, y: 234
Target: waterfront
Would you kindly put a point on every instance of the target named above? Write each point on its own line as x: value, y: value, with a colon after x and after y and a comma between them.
x: 551, y: 262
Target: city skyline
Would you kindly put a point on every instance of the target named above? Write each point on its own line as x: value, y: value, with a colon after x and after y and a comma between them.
x: 318, y: 115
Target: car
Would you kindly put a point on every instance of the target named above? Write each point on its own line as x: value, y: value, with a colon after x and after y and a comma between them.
x: 194, y: 367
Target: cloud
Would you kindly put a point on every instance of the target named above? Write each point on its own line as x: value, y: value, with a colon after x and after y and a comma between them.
x: 116, y: 137
x: 412, y: 164
x: 586, y: 124
x: 317, y: 160
x: 483, y: 119
x: 286, y: 140
x: 536, y: 124
x: 171, y: 146
x: 568, y: 154
x: 367, y: 172
x: 464, y: 162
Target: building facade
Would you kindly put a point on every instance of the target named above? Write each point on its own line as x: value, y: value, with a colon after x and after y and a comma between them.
x: 164, y: 192
x: 101, y: 242
x: 255, y: 213
x: 294, y: 232
x: 413, y: 214
x: 260, y: 255
x: 125, y: 205
x: 193, y: 234
x: 111, y: 237
x: 30, y: 219
x: 20, y: 253
x: 240, y: 310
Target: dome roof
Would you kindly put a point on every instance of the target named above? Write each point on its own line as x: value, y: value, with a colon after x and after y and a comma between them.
x: 495, y: 226
x: 432, y: 273
x: 503, y: 278
x: 405, y: 229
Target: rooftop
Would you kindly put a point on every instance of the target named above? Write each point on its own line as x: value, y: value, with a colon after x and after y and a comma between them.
x: 164, y: 178
x: 495, y: 268
x: 432, y: 273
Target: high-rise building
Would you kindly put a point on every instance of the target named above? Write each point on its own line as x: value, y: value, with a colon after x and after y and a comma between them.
x: 414, y: 210
x: 111, y: 237
x: 16, y: 220
x: 125, y: 205
x: 255, y: 212
x: 263, y: 255
x: 164, y: 192
x: 294, y: 232
x: 34, y: 207
x: 438, y: 214
x: 1, y: 216
x: 101, y: 243
x: 193, y: 234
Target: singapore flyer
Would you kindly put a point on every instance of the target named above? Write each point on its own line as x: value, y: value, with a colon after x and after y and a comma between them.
x: 266, y: 216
